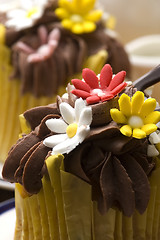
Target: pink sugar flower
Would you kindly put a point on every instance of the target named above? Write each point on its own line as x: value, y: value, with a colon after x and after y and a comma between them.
x: 99, y: 88
x: 49, y: 42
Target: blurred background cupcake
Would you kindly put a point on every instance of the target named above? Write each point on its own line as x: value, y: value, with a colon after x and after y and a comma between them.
x: 43, y: 44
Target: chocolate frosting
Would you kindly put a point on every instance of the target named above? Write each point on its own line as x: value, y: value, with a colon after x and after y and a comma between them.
x: 45, y: 77
x: 117, y: 56
x: 115, y: 165
x: 106, y: 162
x: 35, y: 115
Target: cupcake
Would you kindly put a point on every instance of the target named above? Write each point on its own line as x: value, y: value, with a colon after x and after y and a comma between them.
x: 87, y: 166
x: 44, y: 44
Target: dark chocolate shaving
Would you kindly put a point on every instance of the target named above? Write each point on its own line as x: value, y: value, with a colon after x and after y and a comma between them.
x: 16, y: 154
x: 19, y: 172
x: 32, y: 171
x: 140, y: 182
x: 35, y: 115
x: 43, y: 130
x: 116, y: 187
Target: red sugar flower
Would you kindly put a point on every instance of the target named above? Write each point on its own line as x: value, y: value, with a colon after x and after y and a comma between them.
x: 99, y: 88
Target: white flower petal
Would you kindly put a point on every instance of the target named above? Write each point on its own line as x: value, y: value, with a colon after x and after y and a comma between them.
x: 37, y: 15
x: 11, y: 23
x: 82, y: 133
x: 42, y: 2
x: 54, y: 140
x: 19, y: 23
x: 152, y: 151
x: 56, y: 125
x: 5, y: 6
x: 79, y: 106
x: 26, y: 23
x: 32, y: 3
x: 85, y: 116
x: 16, y: 13
x: 67, y: 112
x: 71, y: 143
x: 158, y: 124
x: 66, y: 146
x: 27, y: 4
x: 65, y: 95
x: 154, y: 138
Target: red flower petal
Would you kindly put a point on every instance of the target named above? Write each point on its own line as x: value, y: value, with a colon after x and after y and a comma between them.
x: 90, y: 78
x: 79, y: 84
x: 119, y: 88
x: 80, y: 93
x: 108, y: 96
x: 93, y: 99
x: 105, y: 76
x: 119, y: 78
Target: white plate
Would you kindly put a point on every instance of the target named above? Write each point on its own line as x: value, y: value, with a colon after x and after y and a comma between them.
x: 3, y: 183
x: 144, y: 51
x: 7, y: 220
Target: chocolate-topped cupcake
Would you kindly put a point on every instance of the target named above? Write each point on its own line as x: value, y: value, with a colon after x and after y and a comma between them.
x: 87, y: 166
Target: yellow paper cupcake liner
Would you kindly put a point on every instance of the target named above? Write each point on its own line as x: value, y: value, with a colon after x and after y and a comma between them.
x: 63, y: 210
x: 12, y: 103
x: 51, y: 208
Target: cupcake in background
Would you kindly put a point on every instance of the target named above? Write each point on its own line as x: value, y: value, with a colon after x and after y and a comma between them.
x: 43, y: 44
x: 89, y: 168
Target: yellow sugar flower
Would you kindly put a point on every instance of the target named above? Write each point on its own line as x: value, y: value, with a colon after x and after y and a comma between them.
x: 78, y: 15
x: 137, y: 115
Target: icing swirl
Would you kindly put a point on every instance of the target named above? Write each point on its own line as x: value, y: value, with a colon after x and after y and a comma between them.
x: 42, y: 76
x: 115, y: 165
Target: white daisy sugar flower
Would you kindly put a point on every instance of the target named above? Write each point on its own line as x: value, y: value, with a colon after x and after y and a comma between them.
x: 72, y: 128
x: 154, y: 139
x: 25, y: 14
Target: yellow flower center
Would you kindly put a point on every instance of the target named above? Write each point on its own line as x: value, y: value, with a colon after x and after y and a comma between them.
x: 71, y: 130
x: 76, y: 18
x: 31, y: 12
x: 135, y: 122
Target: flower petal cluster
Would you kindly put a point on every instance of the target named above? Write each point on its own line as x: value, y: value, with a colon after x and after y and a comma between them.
x: 99, y: 88
x: 78, y: 15
x: 72, y: 128
x: 154, y: 143
x: 136, y: 115
x: 25, y: 14
x: 49, y: 42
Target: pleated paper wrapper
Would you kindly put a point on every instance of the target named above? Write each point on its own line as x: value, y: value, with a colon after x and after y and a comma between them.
x: 63, y: 210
